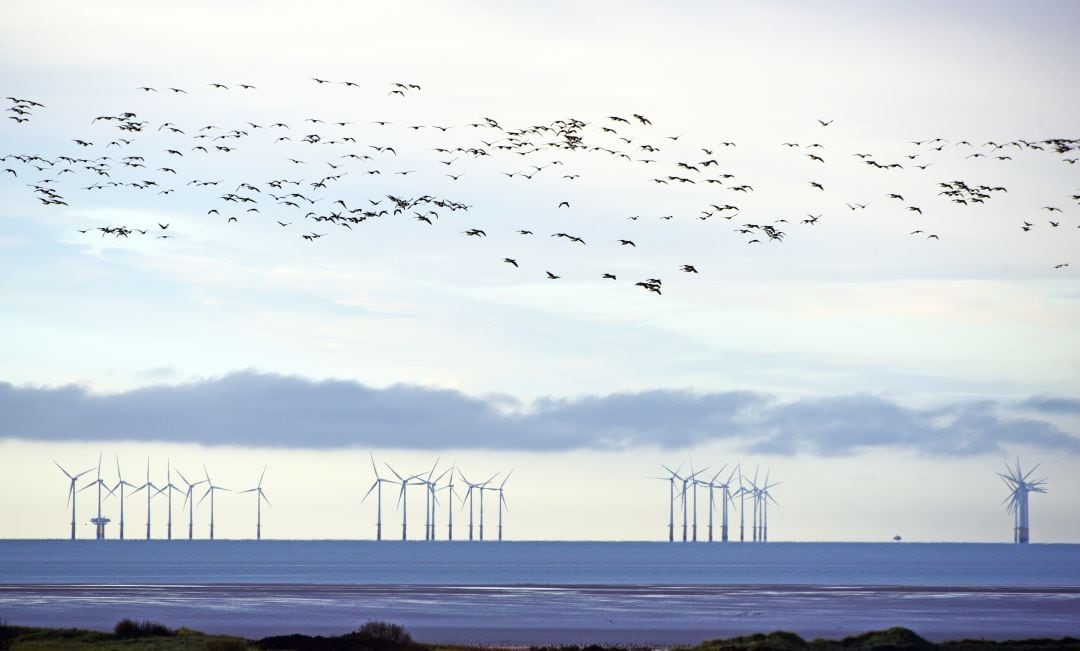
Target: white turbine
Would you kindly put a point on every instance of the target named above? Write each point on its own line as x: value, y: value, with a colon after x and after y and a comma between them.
x: 502, y: 502
x: 379, y: 481
x: 671, y: 499
x: 210, y: 490
x: 150, y: 488
x: 170, y: 487
x: 403, y: 500
x: 258, y: 504
x: 71, y: 493
x: 99, y: 522
x: 449, y: 488
x: 1019, y: 488
x: 121, y: 484
x: 189, y: 501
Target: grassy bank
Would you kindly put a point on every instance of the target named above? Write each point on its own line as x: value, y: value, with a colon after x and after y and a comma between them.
x: 380, y: 636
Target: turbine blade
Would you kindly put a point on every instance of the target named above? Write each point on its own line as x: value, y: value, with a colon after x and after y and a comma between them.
x: 262, y: 475
x: 505, y: 478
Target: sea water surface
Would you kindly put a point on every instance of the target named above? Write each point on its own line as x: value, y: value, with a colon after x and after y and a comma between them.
x: 548, y: 592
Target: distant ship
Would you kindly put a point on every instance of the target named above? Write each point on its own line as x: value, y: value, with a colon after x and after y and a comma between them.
x: 897, y: 538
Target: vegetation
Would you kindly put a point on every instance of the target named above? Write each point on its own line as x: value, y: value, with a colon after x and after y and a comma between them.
x: 129, y: 635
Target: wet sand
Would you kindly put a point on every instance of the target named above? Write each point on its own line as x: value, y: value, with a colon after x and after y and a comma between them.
x: 578, y: 614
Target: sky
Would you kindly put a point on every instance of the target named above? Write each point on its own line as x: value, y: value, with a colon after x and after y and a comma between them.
x: 881, y: 363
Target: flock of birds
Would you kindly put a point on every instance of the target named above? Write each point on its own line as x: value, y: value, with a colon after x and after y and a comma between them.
x: 315, y: 196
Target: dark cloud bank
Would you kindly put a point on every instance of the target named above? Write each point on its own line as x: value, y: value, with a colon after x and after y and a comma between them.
x: 271, y: 410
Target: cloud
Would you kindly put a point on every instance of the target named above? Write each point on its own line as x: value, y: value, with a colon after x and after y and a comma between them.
x: 249, y: 408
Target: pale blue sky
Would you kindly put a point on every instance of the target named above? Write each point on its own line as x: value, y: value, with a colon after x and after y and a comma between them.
x: 863, y: 341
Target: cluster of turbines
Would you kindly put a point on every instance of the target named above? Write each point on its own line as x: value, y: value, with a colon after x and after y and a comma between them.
x: 734, y: 489
x: 123, y: 488
x: 684, y: 487
x: 429, y: 482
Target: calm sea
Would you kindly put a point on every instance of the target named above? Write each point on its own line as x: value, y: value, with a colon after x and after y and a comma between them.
x: 548, y: 592
x: 556, y: 563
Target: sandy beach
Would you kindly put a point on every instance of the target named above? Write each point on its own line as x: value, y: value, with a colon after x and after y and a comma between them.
x: 525, y: 614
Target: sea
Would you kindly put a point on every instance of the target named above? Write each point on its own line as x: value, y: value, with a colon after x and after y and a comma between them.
x: 532, y: 593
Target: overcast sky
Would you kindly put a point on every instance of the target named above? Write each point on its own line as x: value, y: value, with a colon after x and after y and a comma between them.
x: 881, y: 374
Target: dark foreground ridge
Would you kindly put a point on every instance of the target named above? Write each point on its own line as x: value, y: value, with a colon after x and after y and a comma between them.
x: 383, y: 636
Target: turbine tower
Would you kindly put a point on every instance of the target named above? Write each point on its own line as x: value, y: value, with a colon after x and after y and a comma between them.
x: 671, y: 500
x: 483, y: 486
x: 189, y: 501
x: 766, y: 497
x: 99, y: 522
x: 71, y: 493
x: 379, y: 481
x: 149, y: 487
x: 170, y: 487
x: 1020, y: 486
x: 120, y: 485
x: 210, y: 490
x: 449, y: 488
x: 258, y: 504
x: 502, y: 501
x: 403, y: 500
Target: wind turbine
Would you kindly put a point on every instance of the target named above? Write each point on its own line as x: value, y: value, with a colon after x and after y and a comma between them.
x: 1020, y: 487
x: 727, y: 497
x: 99, y: 522
x: 742, y: 504
x: 210, y: 490
x: 765, y: 496
x: 71, y: 493
x: 432, y: 487
x: 189, y: 501
x: 502, y: 501
x: 712, y: 485
x: 379, y: 481
x: 695, y: 482
x: 484, y: 487
x: 671, y: 500
x: 258, y: 504
x: 150, y: 487
x: 120, y: 485
x: 403, y: 500
x: 429, y: 508
x: 170, y: 487
x: 449, y: 488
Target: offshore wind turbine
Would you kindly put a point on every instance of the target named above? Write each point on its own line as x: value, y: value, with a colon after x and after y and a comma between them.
x: 727, y: 497
x: 71, y: 493
x: 432, y: 487
x: 502, y: 501
x: 483, y: 487
x: 120, y: 485
x: 449, y: 488
x: 694, y: 483
x: 210, y: 490
x: 712, y: 485
x: 742, y: 505
x: 189, y: 501
x: 99, y: 522
x: 379, y: 481
x: 429, y: 508
x: 258, y: 504
x: 403, y: 500
x: 765, y: 497
x: 671, y: 500
x: 1020, y: 486
x: 149, y: 487
x: 169, y: 487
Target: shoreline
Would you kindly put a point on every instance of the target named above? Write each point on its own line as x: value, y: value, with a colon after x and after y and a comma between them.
x: 547, y: 614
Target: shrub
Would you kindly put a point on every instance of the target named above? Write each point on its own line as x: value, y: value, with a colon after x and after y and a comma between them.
x: 384, y: 632
x: 131, y: 628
